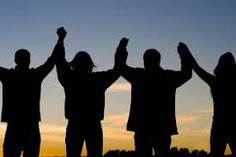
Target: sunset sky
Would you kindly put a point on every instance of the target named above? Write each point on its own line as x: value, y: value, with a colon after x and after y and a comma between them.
x: 208, y: 27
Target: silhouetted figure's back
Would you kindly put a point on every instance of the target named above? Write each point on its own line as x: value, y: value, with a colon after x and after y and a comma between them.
x: 21, y: 105
x: 85, y: 91
x: 153, y: 96
x: 223, y: 86
x: 84, y: 100
x: 152, y: 110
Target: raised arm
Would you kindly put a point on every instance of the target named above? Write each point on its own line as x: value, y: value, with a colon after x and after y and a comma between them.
x: 186, y: 70
x: 204, y: 75
x: 110, y: 76
x: 120, y: 60
x: 59, y: 48
x: 121, y: 53
x: 44, y: 69
x: 62, y: 65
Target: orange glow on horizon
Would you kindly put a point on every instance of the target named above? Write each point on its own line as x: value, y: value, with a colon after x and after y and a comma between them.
x: 116, y: 137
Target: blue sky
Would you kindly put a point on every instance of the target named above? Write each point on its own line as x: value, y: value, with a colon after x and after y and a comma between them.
x: 208, y: 27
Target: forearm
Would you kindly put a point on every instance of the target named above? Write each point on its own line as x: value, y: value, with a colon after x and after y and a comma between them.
x: 59, y: 50
x: 204, y: 75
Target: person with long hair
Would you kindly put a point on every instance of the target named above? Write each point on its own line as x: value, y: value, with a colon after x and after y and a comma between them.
x: 223, y: 85
x: 84, y: 99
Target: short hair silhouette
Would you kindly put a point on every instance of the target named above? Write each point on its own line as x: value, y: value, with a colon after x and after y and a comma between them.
x: 22, y: 57
x: 151, y: 58
x: 21, y: 104
x: 152, y: 108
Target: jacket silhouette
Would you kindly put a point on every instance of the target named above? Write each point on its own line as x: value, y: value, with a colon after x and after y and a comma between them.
x: 84, y: 99
x: 21, y: 104
x: 21, y: 91
x: 152, y: 109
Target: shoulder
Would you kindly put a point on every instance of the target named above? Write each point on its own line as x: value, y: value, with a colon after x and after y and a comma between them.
x: 138, y: 70
x: 33, y: 70
x: 9, y: 71
x: 169, y: 71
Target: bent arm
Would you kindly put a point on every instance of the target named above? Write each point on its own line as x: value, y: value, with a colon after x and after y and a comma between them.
x: 47, y: 67
x: 185, y: 73
x: 110, y: 76
x: 120, y: 60
x: 57, y: 53
x: 204, y: 75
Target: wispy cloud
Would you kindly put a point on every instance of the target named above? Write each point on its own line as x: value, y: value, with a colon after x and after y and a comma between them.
x: 208, y: 110
x: 119, y: 87
x: 117, y: 121
x: 52, y: 133
x: 194, y: 125
x: 114, y: 127
x: 52, y: 129
x: 185, y: 120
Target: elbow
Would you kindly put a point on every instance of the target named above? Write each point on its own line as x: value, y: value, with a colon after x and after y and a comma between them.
x: 189, y: 75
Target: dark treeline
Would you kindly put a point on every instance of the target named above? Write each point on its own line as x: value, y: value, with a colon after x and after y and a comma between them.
x: 174, y: 152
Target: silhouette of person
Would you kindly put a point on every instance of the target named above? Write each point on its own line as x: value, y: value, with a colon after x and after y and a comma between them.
x: 152, y: 110
x: 222, y: 85
x: 84, y: 100
x: 21, y: 105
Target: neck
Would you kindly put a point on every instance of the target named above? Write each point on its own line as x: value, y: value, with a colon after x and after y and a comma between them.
x: 156, y: 68
x: 21, y: 68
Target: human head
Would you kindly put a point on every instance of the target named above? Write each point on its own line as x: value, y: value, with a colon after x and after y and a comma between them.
x: 225, y: 65
x: 22, y: 58
x: 82, y: 61
x: 151, y: 58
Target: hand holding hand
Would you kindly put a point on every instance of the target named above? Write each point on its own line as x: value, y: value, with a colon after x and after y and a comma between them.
x: 182, y: 48
x: 184, y: 52
x: 61, y: 32
x: 123, y: 42
x: 121, y: 52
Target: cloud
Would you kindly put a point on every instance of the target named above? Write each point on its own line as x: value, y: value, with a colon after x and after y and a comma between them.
x: 52, y: 129
x: 120, y: 87
x: 185, y: 120
x: 208, y: 110
x: 114, y: 128
x: 52, y: 133
x: 117, y: 121
x: 194, y: 125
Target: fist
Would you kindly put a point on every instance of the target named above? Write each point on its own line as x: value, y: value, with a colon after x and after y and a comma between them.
x: 61, y: 32
x: 123, y: 42
x: 182, y: 48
